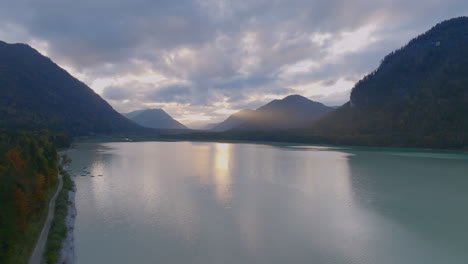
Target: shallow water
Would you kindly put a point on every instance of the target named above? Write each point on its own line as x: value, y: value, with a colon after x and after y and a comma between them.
x: 186, y: 202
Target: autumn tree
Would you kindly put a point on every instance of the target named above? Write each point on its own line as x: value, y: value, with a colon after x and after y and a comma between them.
x: 22, y: 209
x: 38, y: 197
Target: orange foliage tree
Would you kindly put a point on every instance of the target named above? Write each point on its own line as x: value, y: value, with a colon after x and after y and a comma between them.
x: 14, y: 156
x: 22, y: 209
x: 39, y: 197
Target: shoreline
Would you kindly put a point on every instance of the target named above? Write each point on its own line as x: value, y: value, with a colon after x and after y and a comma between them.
x: 67, y: 252
x: 288, y: 143
x: 41, y: 242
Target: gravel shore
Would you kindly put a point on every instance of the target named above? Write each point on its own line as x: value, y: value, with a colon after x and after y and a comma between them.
x: 67, y: 254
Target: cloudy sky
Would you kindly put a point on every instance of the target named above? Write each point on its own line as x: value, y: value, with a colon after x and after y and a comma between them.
x: 201, y: 60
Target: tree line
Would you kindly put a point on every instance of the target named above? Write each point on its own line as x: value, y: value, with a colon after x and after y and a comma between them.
x: 28, y: 176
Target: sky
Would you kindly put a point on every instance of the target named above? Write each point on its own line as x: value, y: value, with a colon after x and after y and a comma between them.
x: 201, y: 60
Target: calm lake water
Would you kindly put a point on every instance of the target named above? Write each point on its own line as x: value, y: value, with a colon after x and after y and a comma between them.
x: 187, y: 202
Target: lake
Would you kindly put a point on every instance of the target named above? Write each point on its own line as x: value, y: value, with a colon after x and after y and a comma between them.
x: 191, y: 202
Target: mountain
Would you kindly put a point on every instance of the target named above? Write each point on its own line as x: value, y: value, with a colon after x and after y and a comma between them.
x: 132, y: 114
x: 293, y: 111
x: 208, y: 126
x: 418, y: 96
x: 36, y: 93
x: 154, y: 118
x: 234, y: 120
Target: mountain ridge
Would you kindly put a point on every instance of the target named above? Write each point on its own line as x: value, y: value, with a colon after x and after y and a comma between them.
x: 36, y: 93
x: 233, y: 120
x: 154, y: 118
x: 292, y: 111
x: 418, y: 94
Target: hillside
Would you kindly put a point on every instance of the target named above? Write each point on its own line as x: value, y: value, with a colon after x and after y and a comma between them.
x: 291, y: 112
x: 132, y: 114
x: 36, y: 93
x: 28, y: 178
x: 154, y: 118
x: 418, y: 96
x: 234, y: 120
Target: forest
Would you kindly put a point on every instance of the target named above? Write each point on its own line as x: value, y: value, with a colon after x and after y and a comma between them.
x: 29, y: 165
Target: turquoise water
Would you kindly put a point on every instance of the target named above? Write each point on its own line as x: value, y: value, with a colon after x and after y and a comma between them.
x: 186, y: 202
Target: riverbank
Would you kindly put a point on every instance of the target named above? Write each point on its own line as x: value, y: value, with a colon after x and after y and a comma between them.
x: 67, y: 253
x: 110, y: 139
x: 38, y: 251
x: 60, y: 242
x: 292, y: 136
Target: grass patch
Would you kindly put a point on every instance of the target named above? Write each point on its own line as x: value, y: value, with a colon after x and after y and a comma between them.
x: 58, y: 229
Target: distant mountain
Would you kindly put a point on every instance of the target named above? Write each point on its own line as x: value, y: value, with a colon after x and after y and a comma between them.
x: 234, y: 120
x: 132, y: 114
x: 208, y: 126
x: 293, y: 111
x: 36, y: 93
x: 154, y: 118
x: 418, y: 96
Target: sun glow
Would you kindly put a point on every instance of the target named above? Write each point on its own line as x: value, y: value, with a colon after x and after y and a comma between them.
x: 320, y: 88
x: 194, y: 118
x: 354, y: 41
x: 222, y: 175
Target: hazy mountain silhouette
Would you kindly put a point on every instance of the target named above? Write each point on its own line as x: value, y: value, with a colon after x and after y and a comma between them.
x: 132, y: 114
x: 154, y: 118
x: 293, y: 111
x: 234, y: 120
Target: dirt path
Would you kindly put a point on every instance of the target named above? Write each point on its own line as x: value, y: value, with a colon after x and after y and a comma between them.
x: 36, y: 256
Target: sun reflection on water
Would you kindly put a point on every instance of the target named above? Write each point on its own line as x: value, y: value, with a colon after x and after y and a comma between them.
x: 222, y: 173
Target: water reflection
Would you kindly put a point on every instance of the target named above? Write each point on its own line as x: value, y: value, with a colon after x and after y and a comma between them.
x: 222, y: 156
x: 418, y: 194
x: 161, y: 202
x: 202, y: 163
x: 222, y: 174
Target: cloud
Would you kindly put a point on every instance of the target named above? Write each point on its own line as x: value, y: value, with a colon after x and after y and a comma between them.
x: 172, y: 94
x: 199, y: 56
x: 116, y: 93
x: 333, y: 99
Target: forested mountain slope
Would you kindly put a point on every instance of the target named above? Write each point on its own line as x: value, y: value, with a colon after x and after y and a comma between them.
x: 418, y: 95
x: 36, y: 93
